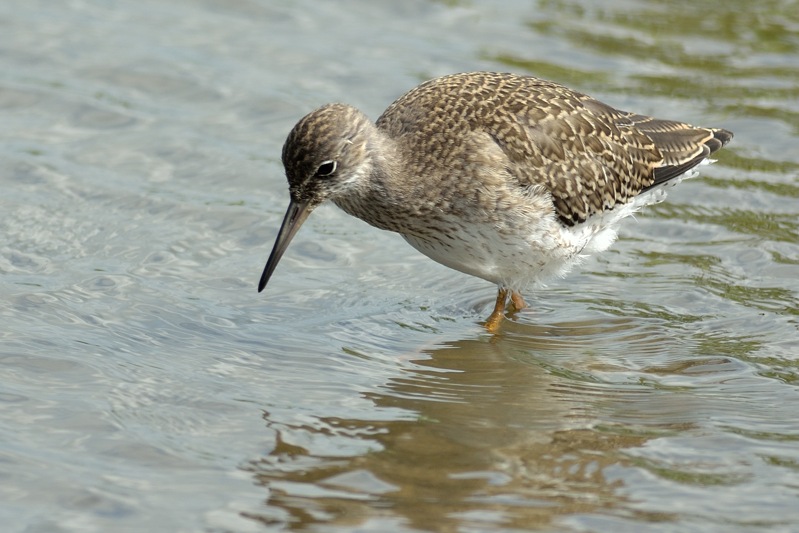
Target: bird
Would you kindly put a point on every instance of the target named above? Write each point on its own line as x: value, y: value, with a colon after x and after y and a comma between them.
x: 508, y: 177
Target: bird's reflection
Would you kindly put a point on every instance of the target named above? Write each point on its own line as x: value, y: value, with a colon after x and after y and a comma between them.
x: 489, y: 436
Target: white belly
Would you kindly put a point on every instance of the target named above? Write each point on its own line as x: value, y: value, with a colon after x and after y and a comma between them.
x: 522, y: 243
x: 514, y: 260
x: 528, y: 251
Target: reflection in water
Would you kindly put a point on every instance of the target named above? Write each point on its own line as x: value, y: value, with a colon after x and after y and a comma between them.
x: 491, y: 434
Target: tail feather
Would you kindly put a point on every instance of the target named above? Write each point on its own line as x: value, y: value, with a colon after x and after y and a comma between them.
x: 682, y: 146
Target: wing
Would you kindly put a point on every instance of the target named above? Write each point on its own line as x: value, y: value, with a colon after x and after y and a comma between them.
x: 590, y: 156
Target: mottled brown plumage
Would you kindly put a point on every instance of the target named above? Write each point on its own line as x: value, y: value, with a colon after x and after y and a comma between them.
x: 509, y: 178
x: 589, y: 156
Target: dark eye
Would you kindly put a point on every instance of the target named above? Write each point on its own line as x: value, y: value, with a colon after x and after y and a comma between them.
x: 326, y: 169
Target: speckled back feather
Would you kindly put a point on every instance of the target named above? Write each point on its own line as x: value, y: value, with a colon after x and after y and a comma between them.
x: 588, y: 155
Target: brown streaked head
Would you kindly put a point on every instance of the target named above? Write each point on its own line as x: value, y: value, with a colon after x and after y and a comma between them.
x: 324, y: 156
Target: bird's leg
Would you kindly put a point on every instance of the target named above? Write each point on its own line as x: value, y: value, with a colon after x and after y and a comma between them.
x: 518, y: 301
x: 492, y: 324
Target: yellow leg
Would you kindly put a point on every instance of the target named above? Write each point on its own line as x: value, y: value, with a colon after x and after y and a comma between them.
x: 495, y: 319
x: 518, y: 301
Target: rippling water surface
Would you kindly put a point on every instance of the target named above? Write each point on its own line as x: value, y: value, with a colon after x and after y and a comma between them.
x: 145, y: 385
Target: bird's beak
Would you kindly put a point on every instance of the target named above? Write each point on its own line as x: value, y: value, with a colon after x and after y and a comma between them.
x: 295, y: 216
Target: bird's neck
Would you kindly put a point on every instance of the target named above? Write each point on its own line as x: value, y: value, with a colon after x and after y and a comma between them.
x: 378, y: 189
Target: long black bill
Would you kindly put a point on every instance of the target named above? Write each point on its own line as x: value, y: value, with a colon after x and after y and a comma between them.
x: 295, y: 216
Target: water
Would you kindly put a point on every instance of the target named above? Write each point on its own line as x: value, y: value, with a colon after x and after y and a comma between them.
x: 145, y: 385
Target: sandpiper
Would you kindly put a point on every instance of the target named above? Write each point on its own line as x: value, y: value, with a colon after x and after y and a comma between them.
x: 509, y: 178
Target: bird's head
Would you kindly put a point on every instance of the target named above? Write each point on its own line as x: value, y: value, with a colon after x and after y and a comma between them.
x: 325, y: 157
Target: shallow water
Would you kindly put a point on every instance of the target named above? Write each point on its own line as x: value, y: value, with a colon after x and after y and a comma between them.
x: 145, y: 385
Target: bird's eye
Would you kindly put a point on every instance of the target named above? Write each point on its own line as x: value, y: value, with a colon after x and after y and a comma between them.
x: 326, y: 169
